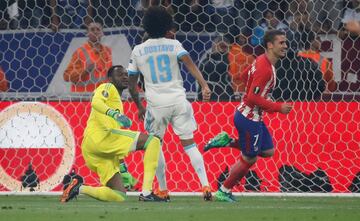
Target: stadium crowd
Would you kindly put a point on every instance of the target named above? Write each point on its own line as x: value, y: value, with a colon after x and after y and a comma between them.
x: 241, y: 25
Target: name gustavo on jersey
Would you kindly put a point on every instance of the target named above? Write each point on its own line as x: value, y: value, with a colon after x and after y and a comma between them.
x: 156, y: 48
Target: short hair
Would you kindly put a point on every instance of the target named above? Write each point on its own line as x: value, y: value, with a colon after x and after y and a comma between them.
x: 112, y: 69
x: 271, y: 35
x: 157, y: 21
x: 93, y: 22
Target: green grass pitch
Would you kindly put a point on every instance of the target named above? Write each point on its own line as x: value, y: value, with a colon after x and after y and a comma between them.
x: 192, y: 208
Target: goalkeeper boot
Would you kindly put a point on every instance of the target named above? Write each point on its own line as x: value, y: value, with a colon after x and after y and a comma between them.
x: 221, y: 140
x: 151, y: 198
x: 207, y: 193
x: 72, y: 191
x: 224, y: 197
x: 163, y: 194
x: 128, y: 180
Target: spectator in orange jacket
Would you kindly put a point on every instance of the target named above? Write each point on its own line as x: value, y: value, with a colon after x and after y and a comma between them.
x: 3, y: 82
x: 238, y: 60
x: 89, y: 63
x: 312, y: 51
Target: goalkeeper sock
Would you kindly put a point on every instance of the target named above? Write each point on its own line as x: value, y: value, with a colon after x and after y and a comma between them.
x: 103, y: 193
x: 123, y: 167
x: 238, y: 171
x: 160, y: 172
x: 151, y: 158
x: 197, y: 162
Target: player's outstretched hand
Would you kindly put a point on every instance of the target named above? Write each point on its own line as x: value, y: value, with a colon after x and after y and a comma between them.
x: 206, y: 93
x: 285, y: 108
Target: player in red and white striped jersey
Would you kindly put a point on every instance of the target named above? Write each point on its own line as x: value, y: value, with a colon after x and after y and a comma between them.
x: 254, y: 137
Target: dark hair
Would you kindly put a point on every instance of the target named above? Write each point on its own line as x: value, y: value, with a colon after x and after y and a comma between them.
x: 157, y: 21
x: 94, y: 22
x: 270, y: 36
x: 112, y: 69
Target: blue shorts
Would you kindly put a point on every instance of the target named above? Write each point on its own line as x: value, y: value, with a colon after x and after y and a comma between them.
x: 254, y: 137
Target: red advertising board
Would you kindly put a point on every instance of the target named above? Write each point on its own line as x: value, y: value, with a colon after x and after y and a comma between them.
x: 314, y: 135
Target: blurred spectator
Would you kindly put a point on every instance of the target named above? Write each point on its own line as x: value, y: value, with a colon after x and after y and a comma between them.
x: 4, y: 84
x: 116, y: 13
x: 89, y: 63
x: 165, y: 3
x: 238, y: 61
x: 300, y: 7
x: 70, y: 13
x: 268, y: 22
x: 214, y: 67
x: 298, y: 79
x: 297, y: 32
x: 353, y: 27
x: 351, y: 17
x: 312, y: 51
x: 223, y: 15
x: 352, y: 12
x: 251, y: 12
x: 32, y: 13
x: 192, y: 15
x: 9, y: 13
x: 325, y: 15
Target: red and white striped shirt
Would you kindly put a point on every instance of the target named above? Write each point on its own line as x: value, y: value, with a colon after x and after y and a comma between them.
x: 260, y: 78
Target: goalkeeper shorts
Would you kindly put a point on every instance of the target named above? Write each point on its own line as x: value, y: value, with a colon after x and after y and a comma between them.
x: 103, y: 157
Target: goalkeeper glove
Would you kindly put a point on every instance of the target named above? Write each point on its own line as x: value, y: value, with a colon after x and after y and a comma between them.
x: 128, y: 180
x: 121, y: 119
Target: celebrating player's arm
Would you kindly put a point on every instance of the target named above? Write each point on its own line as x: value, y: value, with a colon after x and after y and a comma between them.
x: 195, y: 72
x: 256, y: 92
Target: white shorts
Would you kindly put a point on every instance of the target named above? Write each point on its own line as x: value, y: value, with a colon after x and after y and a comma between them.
x: 180, y: 116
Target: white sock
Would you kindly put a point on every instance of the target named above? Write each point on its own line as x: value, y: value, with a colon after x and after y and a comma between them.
x: 160, y: 172
x: 197, y: 162
x: 145, y: 192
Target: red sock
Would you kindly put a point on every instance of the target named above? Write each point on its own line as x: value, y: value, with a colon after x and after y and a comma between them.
x: 238, y: 171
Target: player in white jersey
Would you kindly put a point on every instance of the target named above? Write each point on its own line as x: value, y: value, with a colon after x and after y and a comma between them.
x: 157, y: 59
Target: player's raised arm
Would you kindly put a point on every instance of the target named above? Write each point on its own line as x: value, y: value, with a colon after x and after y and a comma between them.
x: 195, y: 72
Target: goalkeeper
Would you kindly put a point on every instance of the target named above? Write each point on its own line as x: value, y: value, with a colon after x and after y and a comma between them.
x: 106, y: 141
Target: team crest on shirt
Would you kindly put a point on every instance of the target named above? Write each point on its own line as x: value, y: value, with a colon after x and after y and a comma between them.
x: 256, y: 90
x: 105, y: 93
